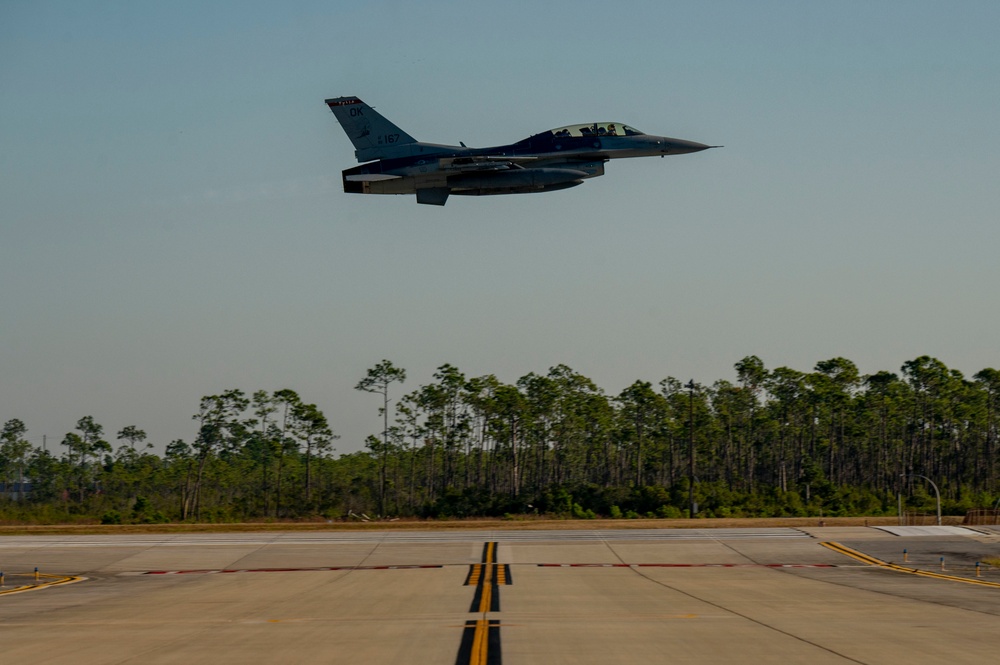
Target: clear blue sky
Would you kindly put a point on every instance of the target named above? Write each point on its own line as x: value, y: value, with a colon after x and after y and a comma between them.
x: 172, y: 225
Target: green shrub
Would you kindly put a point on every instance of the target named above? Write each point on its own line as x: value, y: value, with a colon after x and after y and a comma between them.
x: 111, y: 517
x: 668, y: 512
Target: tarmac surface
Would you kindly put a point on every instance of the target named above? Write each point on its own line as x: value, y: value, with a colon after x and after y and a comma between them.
x: 748, y: 596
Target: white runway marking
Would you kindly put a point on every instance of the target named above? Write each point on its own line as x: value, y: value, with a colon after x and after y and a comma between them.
x: 928, y: 530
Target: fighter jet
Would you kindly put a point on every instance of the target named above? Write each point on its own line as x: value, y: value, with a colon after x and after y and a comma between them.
x: 397, y: 163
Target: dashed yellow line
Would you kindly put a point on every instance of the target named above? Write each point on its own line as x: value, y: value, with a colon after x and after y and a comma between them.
x: 55, y: 580
x: 872, y: 561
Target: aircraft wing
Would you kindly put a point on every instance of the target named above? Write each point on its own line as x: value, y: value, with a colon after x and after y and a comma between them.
x: 370, y: 177
x: 508, y: 158
x: 482, y: 162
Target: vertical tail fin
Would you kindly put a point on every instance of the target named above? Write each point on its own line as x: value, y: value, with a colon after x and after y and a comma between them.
x: 372, y: 135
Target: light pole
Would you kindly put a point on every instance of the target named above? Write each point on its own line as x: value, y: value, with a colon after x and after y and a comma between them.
x: 899, y: 498
x: 937, y: 493
x: 690, y: 386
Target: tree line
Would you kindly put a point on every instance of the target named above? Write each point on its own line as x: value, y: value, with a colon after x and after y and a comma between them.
x: 777, y: 442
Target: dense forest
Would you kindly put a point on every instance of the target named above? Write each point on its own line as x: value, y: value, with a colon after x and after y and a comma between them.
x: 775, y: 443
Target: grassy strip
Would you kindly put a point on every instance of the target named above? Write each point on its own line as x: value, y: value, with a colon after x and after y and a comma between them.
x: 531, y: 523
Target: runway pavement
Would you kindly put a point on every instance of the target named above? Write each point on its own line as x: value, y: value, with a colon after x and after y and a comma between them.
x: 595, y: 596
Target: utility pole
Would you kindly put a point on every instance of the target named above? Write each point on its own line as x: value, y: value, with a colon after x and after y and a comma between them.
x: 694, y: 506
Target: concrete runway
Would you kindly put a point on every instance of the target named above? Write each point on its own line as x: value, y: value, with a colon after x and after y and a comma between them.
x: 743, y: 596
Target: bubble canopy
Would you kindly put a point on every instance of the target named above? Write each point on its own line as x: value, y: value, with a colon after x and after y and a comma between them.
x: 595, y: 129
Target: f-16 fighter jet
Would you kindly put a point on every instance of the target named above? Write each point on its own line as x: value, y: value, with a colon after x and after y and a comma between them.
x: 397, y: 163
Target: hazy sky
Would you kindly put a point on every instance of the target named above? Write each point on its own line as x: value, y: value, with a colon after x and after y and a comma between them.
x: 172, y: 222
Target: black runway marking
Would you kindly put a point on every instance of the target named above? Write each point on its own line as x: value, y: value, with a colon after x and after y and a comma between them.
x: 480, y: 643
x: 481, y: 637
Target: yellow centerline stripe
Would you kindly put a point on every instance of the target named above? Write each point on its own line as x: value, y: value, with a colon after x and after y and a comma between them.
x: 484, y: 600
x: 483, y: 575
x: 480, y: 643
x: 57, y: 580
x: 854, y: 554
x: 865, y: 558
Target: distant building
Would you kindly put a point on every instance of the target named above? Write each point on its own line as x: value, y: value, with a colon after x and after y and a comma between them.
x: 13, y: 491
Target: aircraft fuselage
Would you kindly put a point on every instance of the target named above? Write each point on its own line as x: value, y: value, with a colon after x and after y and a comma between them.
x: 556, y: 159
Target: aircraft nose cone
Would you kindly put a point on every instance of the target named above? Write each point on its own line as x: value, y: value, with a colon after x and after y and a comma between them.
x: 681, y: 147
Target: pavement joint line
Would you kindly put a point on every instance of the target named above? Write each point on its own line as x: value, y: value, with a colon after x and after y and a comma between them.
x: 57, y: 580
x: 735, y: 612
x: 866, y: 558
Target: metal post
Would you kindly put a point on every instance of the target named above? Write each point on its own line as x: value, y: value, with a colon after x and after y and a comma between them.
x: 937, y: 493
x: 690, y: 387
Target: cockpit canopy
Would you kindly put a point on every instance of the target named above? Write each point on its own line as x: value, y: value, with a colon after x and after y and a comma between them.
x: 595, y: 129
